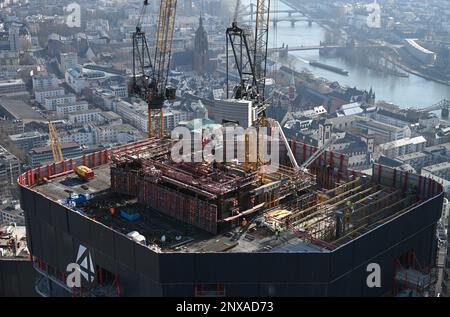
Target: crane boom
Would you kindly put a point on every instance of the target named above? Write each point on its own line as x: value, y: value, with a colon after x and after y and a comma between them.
x: 55, y: 144
x: 261, y: 44
x: 150, y: 73
x: 250, y: 55
x: 163, y: 53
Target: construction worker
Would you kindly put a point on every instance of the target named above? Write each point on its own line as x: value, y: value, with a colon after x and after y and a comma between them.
x: 277, y: 231
x: 244, y: 222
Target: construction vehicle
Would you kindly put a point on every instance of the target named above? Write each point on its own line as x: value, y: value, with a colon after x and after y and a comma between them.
x: 150, y: 79
x: 84, y: 172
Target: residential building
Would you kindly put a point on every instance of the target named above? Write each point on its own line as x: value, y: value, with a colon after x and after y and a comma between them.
x: 51, y: 103
x: 10, y: 212
x: 40, y: 95
x: 383, y: 132
x: 76, y: 79
x: 63, y: 110
x: 111, y: 118
x: 10, y: 127
x: 240, y: 111
x: 29, y: 140
x: 417, y: 159
x: 85, y: 116
x: 45, y: 82
x: 9, y: 172
x: 67, y: 61
x: 44, y: 155
x: 12, y: 86
x: 120, y: 91
x: 403, y: 146
x: 82, y: 136
x: 135, y: 114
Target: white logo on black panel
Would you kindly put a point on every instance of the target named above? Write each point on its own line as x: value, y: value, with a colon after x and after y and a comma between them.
x: 83, y: 267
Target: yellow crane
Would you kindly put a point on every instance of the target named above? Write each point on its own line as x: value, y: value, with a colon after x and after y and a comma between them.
x: 55, y: 144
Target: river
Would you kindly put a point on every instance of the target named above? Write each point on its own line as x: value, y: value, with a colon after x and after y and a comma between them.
x: 404, y: 92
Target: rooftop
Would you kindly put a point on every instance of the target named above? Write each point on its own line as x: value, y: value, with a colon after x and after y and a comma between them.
x: 403, y: 142
x: 5, y: 83
x: 286, y: 211
x: 46, y: 149
x: 20, y: 110
x: 437, y: 167
x: 13, y: 241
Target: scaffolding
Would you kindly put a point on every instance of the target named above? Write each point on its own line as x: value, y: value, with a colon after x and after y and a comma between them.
x: 412, y: 279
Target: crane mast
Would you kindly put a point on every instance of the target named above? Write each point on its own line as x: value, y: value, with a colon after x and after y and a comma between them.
x: 151, y: 72
x: 163, y: 53
x: 249, y: 48
x: 54, y: 143
x: 142, y: 65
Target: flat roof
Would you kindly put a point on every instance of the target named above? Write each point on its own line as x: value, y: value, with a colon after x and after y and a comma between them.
x: 49, y: 149
x: 153, y: 224
x: 20, y: 110
x: 437, y: 167
x: 11, y: 82
x: 403, y: 142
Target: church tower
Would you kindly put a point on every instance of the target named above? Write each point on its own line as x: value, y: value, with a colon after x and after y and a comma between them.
x: 201, y: 55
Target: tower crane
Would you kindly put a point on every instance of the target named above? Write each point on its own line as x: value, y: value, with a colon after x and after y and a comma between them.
x: 250, y: 55
x: 54, y: 143
x: 151, y: 72
x: 250, y: 48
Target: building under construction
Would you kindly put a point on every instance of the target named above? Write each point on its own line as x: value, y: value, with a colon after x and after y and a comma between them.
x: 147, y: 226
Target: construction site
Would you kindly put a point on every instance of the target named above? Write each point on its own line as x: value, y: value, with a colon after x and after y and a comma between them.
x: 131, y: 216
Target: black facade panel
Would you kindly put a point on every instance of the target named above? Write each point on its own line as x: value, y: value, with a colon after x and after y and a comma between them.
x: 314, y: 267
x: 70, y: 248
x: 341, y: 260
x: 128, y: 281
x: 59, y: 217
x: 79, y: 227
x: 147, y: 262
x: 16, y: 278
x: 124, y: 248
x: 43, y: 208
x: 102, y: 238
x: 232, y: 268
x: 64, y: 250
x: 35, y: 231
x: 10, y: 279
x: 178, y: 290
x: 104, y: 261
x: 49, y: 248
x: 362, y: 247
x: 307, y: 290
x: 27, y: 198
x: 181, y: 268
x: 148, y: 287
x: 241, y: 290
x: 341, y: 272
x: 289, y: 269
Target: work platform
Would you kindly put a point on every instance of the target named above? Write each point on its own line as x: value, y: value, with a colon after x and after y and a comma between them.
x: 229, y: 207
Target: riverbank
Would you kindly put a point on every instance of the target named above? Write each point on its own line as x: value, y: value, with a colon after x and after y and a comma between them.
x: 394, y: 56
x: 410, y: 70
